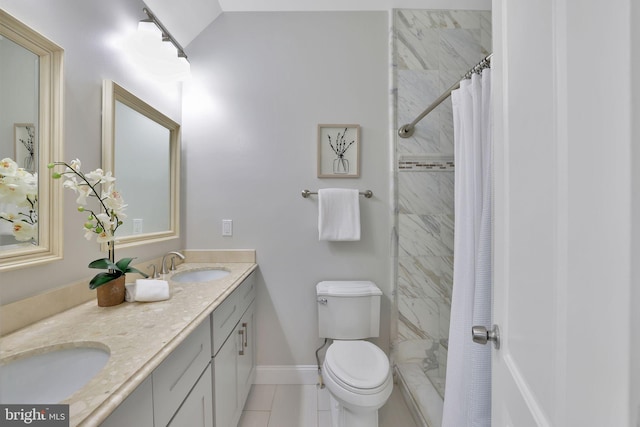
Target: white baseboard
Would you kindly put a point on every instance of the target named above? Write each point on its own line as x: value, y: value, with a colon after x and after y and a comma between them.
x: 286, y: 374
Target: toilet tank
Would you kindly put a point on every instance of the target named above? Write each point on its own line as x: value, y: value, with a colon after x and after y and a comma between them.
x: 348, y: 310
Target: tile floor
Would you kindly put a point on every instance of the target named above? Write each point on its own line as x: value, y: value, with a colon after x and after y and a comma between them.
x: 307, y: 406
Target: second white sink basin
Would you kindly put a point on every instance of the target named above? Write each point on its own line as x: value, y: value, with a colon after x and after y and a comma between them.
x: 201, y: 275
x: 50, y: 376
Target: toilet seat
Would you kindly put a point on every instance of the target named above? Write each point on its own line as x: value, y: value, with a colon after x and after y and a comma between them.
x: 359, y: 367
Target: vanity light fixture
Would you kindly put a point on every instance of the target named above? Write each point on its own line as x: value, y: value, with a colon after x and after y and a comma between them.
x: 166, y: 36
x: 149, y: 49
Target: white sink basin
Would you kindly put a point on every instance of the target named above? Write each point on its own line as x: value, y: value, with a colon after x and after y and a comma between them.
x: 50, y: 376
x: 202, y: 275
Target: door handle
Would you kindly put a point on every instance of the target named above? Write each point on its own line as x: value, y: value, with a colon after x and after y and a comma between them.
x: 482, y: 336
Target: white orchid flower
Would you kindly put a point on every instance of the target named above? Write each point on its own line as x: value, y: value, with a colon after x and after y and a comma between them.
x: 75, y: 165
x: 29, y: 181
x: 105, y: 219
x: 107, y: 178
x: 104, y: 237
x: 99, y: 185
x: 113, y: 200
x: 8, y: 167
x: 95, y: 176
x: 71, y: 183
x: 83, y: 192
x: 12, y: 191
x: 23, y: 231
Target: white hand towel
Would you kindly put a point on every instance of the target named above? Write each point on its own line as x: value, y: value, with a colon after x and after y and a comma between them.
x: 338, y: 214
x: 130, y: 292
x: 147, y: 290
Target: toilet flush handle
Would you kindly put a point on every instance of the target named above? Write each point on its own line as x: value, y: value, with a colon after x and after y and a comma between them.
x: 322, y: 301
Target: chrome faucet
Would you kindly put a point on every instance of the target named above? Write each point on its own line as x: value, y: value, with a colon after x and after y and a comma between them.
x: 173, y: 265
x: 154, y: 274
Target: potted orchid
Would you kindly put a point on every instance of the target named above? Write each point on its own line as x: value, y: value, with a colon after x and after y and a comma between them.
x: 99, y: 185
x: 19, y: 196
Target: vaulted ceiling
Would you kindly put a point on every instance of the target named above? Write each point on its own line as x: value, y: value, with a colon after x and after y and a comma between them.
x: 187, y: 18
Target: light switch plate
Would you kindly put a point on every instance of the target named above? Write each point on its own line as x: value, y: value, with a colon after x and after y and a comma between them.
x: 227, y: 227
x: 137, y: 226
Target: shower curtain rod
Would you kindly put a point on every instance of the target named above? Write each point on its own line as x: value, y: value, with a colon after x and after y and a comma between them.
x: 407, y: 130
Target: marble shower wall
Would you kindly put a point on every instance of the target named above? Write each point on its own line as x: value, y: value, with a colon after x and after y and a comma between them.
x: 432, y: 49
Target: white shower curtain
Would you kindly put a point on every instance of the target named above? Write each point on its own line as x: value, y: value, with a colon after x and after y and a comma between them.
x: 468, y: 381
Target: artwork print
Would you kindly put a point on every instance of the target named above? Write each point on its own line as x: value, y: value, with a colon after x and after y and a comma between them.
x: 338, y: 151
x: 25, y: 146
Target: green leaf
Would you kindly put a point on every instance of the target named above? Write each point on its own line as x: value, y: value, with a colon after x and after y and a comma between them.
x: 135, y: 270
x: 104, y: 264
x: 102, y: 278
x: 123, y: 264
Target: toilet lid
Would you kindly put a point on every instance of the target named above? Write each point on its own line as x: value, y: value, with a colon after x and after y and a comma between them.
x: 358, y: 364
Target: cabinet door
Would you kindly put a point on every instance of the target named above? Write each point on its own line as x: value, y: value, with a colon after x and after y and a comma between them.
x: 246, y: 357
x: 177, y: 374
x: 135, y: 411
x: 197, y: 409
x: 225, y: 381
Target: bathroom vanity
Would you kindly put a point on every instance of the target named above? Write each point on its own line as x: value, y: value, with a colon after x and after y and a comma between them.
x: 189, y: 360
x: 208, y: 376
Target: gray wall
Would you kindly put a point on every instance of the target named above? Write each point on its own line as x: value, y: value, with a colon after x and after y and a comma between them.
x: 89, y: 32
x: 261, y: 83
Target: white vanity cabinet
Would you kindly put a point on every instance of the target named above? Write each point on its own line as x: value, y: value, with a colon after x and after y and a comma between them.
x: 197, y: 409
x: 206, y: 379
x: 177, y: 393
x: 179, y: 372
x: 136, y: 410
x: 233, y: 329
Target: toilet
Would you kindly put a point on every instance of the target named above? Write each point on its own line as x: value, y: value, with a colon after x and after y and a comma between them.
x: 356, y: 372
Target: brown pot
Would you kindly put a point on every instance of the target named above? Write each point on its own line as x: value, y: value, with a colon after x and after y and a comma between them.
x: 111, y: 293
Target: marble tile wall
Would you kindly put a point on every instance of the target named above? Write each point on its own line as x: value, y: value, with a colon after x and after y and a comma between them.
x: 431, y: 50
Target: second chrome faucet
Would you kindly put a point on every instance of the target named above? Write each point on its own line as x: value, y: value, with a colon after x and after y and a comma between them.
x: 173, y: 254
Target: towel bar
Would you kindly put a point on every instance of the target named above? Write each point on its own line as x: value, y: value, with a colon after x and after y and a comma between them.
x: 368, y: 193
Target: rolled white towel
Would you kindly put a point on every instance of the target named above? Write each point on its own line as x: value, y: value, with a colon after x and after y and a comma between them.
x: 147, y: 290
x: 130, y: 292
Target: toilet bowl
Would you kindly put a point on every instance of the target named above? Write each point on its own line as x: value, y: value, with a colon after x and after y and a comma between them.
x: 356, y: 372
x: 359, y: 380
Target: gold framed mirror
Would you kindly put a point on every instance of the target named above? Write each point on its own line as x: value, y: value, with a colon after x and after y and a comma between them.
x: 30, y: 136
x: 141, y: 146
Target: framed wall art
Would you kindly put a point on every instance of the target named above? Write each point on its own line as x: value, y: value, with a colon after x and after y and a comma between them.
x: 338, y: 151
x: 24, y: 135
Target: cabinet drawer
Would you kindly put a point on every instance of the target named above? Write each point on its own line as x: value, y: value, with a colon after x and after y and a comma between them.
x: 223, y: 319
x: 228, y: 313
x: 197, y: 409
x: 177, y: 374
x: 246, y: 293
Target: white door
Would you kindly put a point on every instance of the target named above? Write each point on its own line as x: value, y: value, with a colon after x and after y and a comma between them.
x: 526, y: 250
x: 562, y: 217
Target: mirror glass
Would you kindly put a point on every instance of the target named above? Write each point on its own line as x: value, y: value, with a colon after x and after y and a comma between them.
x: 30, y: 137
x: 141, y: 148
x: 18, y: 124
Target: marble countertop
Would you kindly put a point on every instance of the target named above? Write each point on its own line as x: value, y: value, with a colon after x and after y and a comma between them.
x: 139, y: 337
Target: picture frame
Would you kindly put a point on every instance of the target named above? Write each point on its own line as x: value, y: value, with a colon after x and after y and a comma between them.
x: 25, y: 146
x: 338, y: 151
